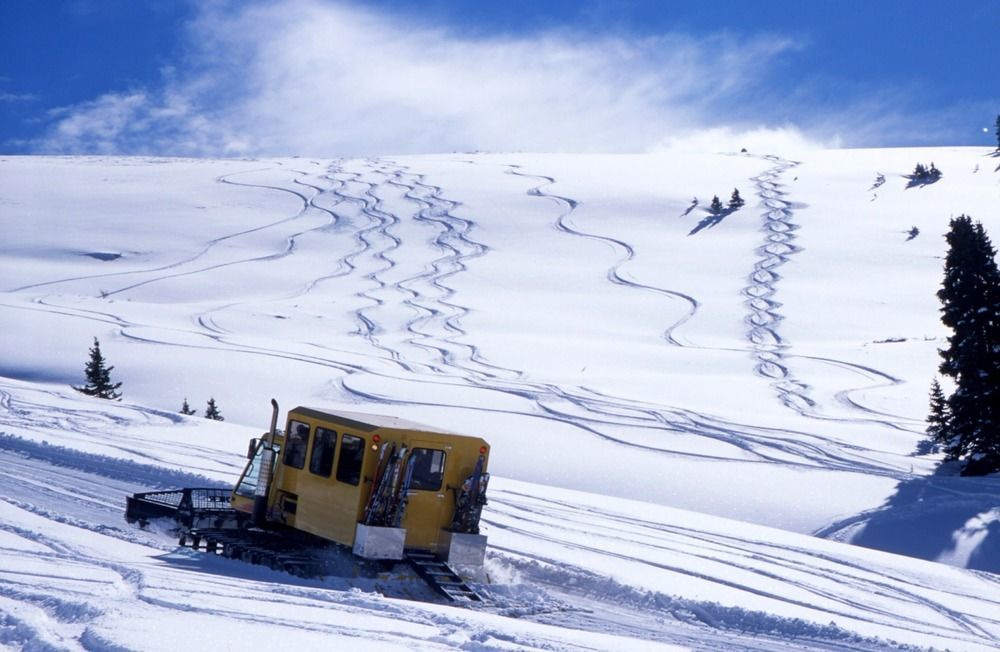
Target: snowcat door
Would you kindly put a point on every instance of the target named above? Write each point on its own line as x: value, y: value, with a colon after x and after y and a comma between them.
x: 429, y: 503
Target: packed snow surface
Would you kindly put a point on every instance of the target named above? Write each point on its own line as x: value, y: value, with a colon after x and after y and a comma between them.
x: 692, y: 416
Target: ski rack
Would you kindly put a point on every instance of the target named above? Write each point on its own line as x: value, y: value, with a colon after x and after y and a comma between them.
x: 440, y: 577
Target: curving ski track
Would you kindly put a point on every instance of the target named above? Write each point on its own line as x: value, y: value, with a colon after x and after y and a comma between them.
x: 431, y: 345
x: 769, y: 349
x: 763, y: 318
x: 564, y: 224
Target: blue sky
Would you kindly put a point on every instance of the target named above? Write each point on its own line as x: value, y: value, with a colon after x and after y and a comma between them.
x: 317, y: 77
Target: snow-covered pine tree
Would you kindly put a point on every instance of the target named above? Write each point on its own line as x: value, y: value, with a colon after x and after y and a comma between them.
x: 970, y: 300
x: 735, y: 201
x: 212, y: 411
x: 98, y: 376
x: 998, y: 132
x: 716, y: 206
x: 186, y: 409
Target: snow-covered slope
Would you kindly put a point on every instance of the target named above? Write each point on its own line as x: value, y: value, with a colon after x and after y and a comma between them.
x: 584, y: 313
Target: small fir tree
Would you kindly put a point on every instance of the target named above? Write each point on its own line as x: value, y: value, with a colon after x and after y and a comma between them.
x: 933, y: 172
x: 212, y: 411
x: 716, y: 205
x: 937, y: 420
x: 99, y: 376
x: 186, y: 409
x: 735, y: 201
x: 998, y: 133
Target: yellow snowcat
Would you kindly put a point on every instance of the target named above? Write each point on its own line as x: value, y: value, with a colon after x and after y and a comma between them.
x: 388, y: 489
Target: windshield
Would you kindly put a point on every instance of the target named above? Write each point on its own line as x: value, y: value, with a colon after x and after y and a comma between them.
x: 251, y: 475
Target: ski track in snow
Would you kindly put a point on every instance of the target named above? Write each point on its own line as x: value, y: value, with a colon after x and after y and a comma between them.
x: 564, y: 224
x: 424, y: 348
x: 770, y: 351
x: 433, y: 347
x: 768, y: 346
x: 209, y: 245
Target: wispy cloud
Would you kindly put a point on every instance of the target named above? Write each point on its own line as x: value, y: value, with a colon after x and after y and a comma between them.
x: 17, y: 97
x: 313, y: 78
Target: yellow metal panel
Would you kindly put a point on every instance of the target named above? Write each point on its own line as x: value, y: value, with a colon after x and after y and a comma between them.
x: 331, y: 509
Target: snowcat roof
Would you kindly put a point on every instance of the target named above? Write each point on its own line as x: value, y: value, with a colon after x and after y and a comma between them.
x: 367, y: 422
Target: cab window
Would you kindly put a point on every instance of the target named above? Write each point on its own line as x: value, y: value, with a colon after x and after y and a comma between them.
x: 321, y: 458
x: 428, y: 469
x: 352, y: 454
x: 296, y: 441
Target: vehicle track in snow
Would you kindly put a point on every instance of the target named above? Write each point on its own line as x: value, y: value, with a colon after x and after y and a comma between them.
x: 802, y: 577
x: 63, y: 579
x: 583, y: 599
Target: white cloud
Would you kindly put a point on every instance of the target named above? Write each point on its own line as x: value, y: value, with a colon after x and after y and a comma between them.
x: 313, y: 78
x: 788, y: 140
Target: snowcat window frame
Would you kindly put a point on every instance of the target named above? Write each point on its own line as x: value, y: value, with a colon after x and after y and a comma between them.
x: 428, y: 469
x: 350, y: 459
x: 296, y: 444
x: 324, y: 445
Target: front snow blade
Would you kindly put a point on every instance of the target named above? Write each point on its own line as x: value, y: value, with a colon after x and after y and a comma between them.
x: 188, y: 506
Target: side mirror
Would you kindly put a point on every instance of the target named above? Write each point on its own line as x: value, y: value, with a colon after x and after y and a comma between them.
x: 252, y: 448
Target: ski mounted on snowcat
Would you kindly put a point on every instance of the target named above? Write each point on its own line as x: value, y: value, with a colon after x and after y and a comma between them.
x: 386, y: 488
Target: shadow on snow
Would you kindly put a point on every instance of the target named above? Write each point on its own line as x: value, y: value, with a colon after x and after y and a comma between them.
x: 941, y: 517
x: 712, y: 219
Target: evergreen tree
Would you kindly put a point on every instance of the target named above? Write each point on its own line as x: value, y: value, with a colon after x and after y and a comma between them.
x: 186, y: 409
x: 919, y: 171
x: 735, y: 201
x: 212, y: 411
x: 970, y: 299
x: 99, y: 376
x: 938, y: 426
x: 716, y: 205
x: 998, y: 133
x: 933, y: 172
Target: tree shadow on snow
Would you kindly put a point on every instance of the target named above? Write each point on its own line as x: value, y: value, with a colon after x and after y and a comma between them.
x: 712, y: 219
x: 920, y: 181
x: 941, y: 517
x: 687, y: 211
